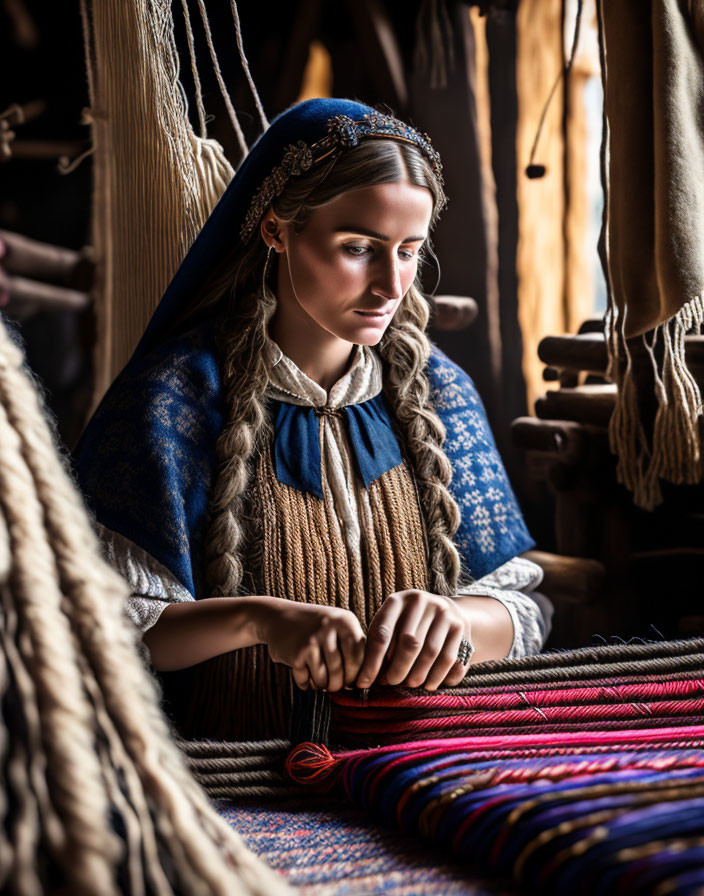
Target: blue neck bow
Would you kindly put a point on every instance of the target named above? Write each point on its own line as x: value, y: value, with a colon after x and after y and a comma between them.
x: 297, y: 457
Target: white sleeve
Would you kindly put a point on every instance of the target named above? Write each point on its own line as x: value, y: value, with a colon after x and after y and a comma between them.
x: 513, y: 584
x: 153, y: 586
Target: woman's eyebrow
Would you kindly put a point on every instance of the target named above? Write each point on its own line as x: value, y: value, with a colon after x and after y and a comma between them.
x: 364, y: 231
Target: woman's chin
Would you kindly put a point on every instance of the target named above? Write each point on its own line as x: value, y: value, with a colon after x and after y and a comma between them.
x: 367, y: 334
x: 370, y: 339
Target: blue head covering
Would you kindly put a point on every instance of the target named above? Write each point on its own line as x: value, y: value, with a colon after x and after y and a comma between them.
x: 302, y: 136
x: 147, y: 457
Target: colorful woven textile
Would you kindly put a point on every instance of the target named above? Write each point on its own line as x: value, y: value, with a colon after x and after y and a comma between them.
x: 328, y: 849
x: 584, y: 774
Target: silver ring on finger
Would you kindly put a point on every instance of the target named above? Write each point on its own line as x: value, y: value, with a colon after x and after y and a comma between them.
x: 465, y: 652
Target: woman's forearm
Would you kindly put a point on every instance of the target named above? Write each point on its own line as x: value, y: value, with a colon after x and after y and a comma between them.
x: 189, y: 633
x: 194, y: 631
x: 490, y: 625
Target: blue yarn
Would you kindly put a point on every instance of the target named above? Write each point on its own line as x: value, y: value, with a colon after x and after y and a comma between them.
x: 643, y: 875
x: 635, y: 828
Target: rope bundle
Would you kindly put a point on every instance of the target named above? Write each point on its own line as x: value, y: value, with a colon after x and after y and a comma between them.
x: 94, y: 795
x: 577, y: 772
x: 242, y: 770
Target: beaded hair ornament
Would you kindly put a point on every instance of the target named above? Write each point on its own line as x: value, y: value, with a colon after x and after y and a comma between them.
x: 343, y: 133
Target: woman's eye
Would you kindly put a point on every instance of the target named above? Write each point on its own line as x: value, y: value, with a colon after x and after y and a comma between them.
x: 358, y: 250
x: 405, y: 254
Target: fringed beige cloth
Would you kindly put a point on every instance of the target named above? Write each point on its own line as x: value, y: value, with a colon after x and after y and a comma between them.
x: 298, y: 552
x: 96, y: 798
x: 653, y: 154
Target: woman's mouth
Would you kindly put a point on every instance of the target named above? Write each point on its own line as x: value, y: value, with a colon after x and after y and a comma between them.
x: 373, y: 315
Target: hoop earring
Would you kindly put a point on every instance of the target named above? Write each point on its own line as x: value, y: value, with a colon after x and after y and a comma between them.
x: 432, y: 254
x: 265, y: 271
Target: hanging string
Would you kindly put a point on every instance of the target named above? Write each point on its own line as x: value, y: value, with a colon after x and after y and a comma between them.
x: 221, y: 82
x: 533, y: 169
x: 87, y: 29
x: 245, y: 66
x: 194, y: 70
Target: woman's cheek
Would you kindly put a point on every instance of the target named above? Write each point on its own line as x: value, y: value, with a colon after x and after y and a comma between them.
x: 408, y: 277
x: 337, y: 269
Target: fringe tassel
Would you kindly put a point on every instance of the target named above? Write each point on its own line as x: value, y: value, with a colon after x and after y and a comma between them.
x: 674, y: 453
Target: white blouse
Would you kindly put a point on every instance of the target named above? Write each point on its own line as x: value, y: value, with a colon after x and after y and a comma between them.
x: 513, y: 584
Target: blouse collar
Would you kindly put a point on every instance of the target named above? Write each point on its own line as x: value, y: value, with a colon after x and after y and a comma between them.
x: 361, y: 381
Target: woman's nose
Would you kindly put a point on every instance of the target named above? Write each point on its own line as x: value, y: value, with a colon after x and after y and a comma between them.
x: 387, y: 280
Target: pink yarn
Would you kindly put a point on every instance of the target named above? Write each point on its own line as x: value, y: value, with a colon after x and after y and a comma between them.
x: 535, y: 715
x: 565, y: 696
x: 682, y: 737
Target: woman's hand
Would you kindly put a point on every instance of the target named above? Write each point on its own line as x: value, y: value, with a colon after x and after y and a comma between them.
x: 419, y: 635
x: 322, y: 645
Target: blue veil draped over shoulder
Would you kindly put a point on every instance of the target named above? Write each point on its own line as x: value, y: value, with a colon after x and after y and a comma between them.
x: 147, y: 458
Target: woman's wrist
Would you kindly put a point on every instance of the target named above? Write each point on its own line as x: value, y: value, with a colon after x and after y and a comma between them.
x: 191, y: 632
x: 261, y: 610
x: 489, y: 625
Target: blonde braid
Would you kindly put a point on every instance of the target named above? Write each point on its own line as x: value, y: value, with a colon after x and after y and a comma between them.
x: 245, y: 375
x: 405, y: 350
x: 81, y: 728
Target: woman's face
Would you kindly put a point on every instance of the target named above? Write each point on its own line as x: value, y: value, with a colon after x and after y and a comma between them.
x: 347, y: 271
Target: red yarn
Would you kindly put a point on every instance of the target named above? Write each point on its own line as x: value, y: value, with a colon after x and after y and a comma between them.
x: 313, y: 764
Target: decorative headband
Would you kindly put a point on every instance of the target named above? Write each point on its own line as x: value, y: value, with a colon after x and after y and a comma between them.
x: 343, y: 133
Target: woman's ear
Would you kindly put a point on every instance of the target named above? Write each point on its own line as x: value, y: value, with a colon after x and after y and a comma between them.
x: 270, y: 229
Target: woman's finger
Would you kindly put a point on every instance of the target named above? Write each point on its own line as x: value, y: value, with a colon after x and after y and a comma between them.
x: 317, y: 669
x: 411, y: 633
x: 352, y: 644
x: 378, y: 639
x: 432, y: 647
x: 301, y: 676
x: 333, y: 660
x: 455, y: 675
x: 446, y: 658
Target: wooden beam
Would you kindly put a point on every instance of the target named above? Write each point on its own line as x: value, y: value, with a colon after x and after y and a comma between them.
x: 570, y: 580
x: 584, y: 352
x: 29, y: 296
x: 585, y: 404
x: 26, y: 257
x: 452, y: 312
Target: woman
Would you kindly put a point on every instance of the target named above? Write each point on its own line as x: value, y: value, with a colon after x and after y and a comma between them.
x: 269, y: 470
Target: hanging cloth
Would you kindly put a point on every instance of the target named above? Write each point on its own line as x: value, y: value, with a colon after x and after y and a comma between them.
x: 653, y: 157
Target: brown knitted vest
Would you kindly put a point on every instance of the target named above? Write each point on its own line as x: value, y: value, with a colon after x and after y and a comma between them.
x: 296, y: 550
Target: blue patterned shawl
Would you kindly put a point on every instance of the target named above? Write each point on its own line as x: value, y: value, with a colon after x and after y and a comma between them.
x: 146, y: 460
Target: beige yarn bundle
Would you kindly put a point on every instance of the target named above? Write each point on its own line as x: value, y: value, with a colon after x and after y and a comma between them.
x: 94, y: 795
